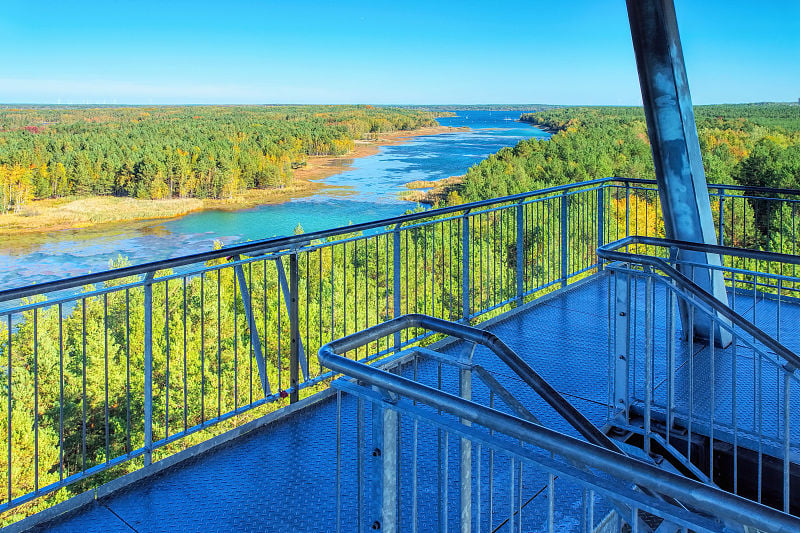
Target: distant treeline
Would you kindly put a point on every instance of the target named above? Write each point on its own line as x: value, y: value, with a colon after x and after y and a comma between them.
x: 182, y: 151
x: 747, y: 144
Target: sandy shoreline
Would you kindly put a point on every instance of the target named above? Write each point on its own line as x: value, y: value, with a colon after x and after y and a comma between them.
x: 58, y: 214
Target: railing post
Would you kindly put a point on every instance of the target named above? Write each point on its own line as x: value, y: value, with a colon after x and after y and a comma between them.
x: 294, y: 325
x: 621, y: 353
x: 721, y: 222
x: 564, y: 241
x: 384, y: 457
x: 601, y: 222
x: 148, y: 368
x: 396, y: 281
x: 520, y: 252
x: 465, y: 282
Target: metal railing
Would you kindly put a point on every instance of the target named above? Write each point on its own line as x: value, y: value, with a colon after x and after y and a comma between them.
x: 104, y: 373
x: 590, y: 478
x: 734, y: 391
x: 761, y: 218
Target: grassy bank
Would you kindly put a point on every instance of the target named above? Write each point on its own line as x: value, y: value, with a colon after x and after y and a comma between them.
x: 438, y: 192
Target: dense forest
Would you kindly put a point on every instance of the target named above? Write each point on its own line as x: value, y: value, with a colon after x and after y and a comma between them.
x: 748, y: 144
x: 175, y: 152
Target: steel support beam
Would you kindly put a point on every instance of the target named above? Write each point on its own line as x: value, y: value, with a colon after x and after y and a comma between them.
x: 671, y: 127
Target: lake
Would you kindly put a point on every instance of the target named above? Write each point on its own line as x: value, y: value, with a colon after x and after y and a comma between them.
x: 369, y: 190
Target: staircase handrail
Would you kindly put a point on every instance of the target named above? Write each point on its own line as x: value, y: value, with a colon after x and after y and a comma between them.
x: 611, y: 252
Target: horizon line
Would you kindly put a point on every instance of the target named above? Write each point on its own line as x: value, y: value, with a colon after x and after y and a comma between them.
x: 287, y: 104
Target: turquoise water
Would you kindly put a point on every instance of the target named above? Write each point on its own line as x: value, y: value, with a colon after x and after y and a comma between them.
x: 367, y: 191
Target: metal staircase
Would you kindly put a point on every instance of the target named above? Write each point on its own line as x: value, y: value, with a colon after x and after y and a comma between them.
x: 721, y: 411
x: 508, y: 471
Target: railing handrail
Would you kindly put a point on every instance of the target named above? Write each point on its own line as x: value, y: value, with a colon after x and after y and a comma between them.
x: 749, y: 253
x: 610, y: 252
x: 718, y: 186
x: 273, y: 244
x: 485, y: 338
x: 717, y: 502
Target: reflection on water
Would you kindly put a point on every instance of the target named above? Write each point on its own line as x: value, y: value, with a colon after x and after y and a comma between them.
x: 367, y: 191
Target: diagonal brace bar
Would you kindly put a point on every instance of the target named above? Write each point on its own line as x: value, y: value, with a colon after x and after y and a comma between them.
x: 284, y: 283
x: 255, y: 340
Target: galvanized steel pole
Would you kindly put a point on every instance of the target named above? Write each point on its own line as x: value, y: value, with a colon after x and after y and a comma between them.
x: 671, y: 127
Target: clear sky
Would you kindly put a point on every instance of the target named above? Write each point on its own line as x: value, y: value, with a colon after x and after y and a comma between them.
x: 341, y: 51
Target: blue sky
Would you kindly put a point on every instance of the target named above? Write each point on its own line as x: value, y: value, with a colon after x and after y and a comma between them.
x: 432, y: 51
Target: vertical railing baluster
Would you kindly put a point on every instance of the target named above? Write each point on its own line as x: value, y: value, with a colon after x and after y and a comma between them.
x: 167, y: 356
x: 396, y: 281
x: 414, y: 479
x: 36, y: 400
x: 60, y: 393
x: 564, y: 240
x: 511, y: 494
x: 360, y: 451
x: 338, y: 461
x: 465, y: 282
x: 551, y: 500
x: 148, y: 368
x: 465, y: 391
x: 520, y: 252
x: 721, y: 224
x: 10, y: 411
x: 83, y: 388
x: 671, y: 306
x: 786, y: 438
x: 601, y: 223
x: 591, y: 510
x: 478, y: 487
x: 648, y: 355
x: 627, y: 209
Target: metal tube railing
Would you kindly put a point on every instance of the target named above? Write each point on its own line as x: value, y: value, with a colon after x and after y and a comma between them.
x: 284, y: 243
x: 278, y: 243
x: 611, y: 252
x: 738, y: 396
x: 485, y: 338
x: 723, y: 505
x: 229, y: 331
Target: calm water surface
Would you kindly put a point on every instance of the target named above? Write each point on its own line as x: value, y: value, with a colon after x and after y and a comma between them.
x: 368, y: 191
